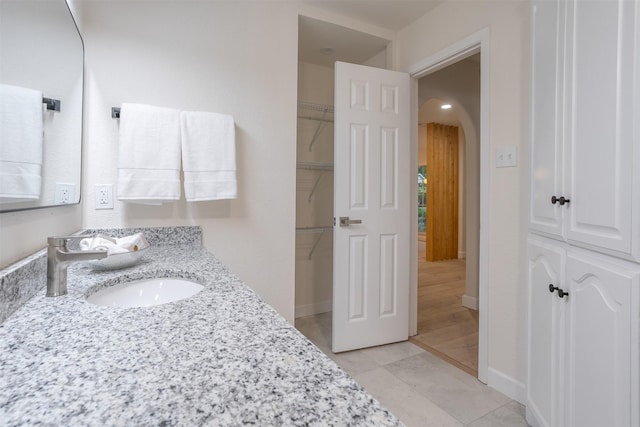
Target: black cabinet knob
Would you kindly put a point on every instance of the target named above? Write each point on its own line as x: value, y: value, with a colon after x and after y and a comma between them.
x: 560, y: 200
x: 561, y: 292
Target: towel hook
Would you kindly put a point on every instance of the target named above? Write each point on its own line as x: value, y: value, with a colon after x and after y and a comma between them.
x: 52, y: 104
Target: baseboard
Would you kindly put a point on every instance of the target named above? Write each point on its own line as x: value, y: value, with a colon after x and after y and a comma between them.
x: 470, y: 302
x: 507, y: 385
x: 531, y: 415
x: 311, y: 309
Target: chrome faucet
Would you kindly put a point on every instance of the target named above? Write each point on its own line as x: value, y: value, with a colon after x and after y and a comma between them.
x: 58, y: 259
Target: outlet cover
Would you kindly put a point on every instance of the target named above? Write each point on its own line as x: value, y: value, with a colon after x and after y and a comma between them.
x: 506, y: 157
x: 65, y: 194
x: 104, y: 196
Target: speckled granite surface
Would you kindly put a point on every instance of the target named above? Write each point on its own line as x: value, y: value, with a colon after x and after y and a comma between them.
x: 222, y: 357
x: 20, y: 281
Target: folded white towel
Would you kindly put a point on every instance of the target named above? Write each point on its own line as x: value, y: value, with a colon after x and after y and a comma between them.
x: 115, y: 246
x: 208, y: 156
x: 148, y: 154
x: 21, y: 136
x: 98, y: 243
x: 133, y: 243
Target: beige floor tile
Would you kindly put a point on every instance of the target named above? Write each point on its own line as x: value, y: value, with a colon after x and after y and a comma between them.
x: 510, y: 415
x: 390, y: 353
x: 464, y: 400
x: 418, y: 387
x: 353, y: 362
x: 317, y: 329
x: 410, y: 407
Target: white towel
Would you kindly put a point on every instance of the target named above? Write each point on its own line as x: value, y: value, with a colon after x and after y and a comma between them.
x: 208, y: 156
x: 21, y: 136
x: 148, y: 154
x: 114, y: 246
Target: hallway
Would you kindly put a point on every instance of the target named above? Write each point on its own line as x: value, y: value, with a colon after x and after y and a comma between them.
x: 445, y: 327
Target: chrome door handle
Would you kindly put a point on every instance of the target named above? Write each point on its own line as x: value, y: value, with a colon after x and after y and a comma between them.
x: 345, y: 221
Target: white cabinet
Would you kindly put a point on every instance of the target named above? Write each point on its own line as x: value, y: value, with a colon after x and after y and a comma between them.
x: 584, y: 306
x: 546, y: 118
x: 546, y: 311
x: 583, y: 338
x: 601, y: 345
x: 585, y: 124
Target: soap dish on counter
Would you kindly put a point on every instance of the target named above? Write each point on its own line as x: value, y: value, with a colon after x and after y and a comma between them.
x: 116, y: 261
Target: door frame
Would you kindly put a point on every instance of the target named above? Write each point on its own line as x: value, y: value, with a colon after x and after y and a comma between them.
x: 477, y: 42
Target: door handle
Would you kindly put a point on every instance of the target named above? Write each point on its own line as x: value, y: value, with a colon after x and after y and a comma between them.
x: 345, y: 221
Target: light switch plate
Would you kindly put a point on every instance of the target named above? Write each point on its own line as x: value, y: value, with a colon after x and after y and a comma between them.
x: 506, y: 157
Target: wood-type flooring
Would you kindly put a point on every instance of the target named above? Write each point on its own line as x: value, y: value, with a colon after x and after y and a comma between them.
x: 445, y: 327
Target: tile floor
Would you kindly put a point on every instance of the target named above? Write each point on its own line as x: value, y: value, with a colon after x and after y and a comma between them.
x: 419, y: 388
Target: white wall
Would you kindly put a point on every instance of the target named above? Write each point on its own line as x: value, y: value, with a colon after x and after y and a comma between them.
x: 238, y: 58
x: 509, y: 82
x: 25, y: 232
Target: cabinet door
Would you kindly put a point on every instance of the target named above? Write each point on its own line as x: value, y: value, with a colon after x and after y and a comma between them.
x: 601, y: 362
x: 545, y: 330
x: 546, y: 117
x: 601, y: 94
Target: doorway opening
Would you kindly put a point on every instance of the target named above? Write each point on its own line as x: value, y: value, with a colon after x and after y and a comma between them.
x: 448, y: 212
x: 320, y: 45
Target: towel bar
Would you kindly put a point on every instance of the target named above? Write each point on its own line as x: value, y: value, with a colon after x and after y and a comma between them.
x: 115, y: 112
x: 52, y: 104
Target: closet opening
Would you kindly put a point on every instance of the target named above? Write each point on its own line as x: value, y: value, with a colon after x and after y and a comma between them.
x: 320, y: 45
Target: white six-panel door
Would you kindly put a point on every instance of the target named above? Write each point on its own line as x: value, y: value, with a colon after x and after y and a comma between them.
x: 372, y: 189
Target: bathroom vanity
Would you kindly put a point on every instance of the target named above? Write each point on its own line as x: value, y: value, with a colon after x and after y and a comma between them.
x: 221, y: 357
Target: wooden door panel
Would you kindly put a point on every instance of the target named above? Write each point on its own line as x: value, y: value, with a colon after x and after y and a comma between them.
x: 442, y: 192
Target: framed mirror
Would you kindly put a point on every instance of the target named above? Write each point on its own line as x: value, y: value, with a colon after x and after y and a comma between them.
x: 41, y: 53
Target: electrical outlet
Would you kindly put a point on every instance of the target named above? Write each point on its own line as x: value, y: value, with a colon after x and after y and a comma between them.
x: 104, y: 196
x: 65, y: 193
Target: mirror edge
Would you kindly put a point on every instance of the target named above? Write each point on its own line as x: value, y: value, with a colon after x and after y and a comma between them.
x: 30, y: 208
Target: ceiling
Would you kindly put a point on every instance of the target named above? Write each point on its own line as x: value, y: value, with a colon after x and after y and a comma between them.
x: 323, y: 43
x: 390, y: 14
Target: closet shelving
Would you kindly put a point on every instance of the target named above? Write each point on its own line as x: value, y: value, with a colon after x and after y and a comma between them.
x: 314, y: 230
x: 322, y: 167
x: 315, y: 166
x: 323, y: 115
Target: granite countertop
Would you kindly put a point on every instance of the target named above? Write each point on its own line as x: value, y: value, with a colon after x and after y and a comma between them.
x: 222, y: 357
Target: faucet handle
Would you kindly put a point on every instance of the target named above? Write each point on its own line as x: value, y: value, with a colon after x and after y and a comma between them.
x: 61, y: 241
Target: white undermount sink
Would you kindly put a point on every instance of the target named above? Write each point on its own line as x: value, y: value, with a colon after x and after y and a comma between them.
x: 145, y: 293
